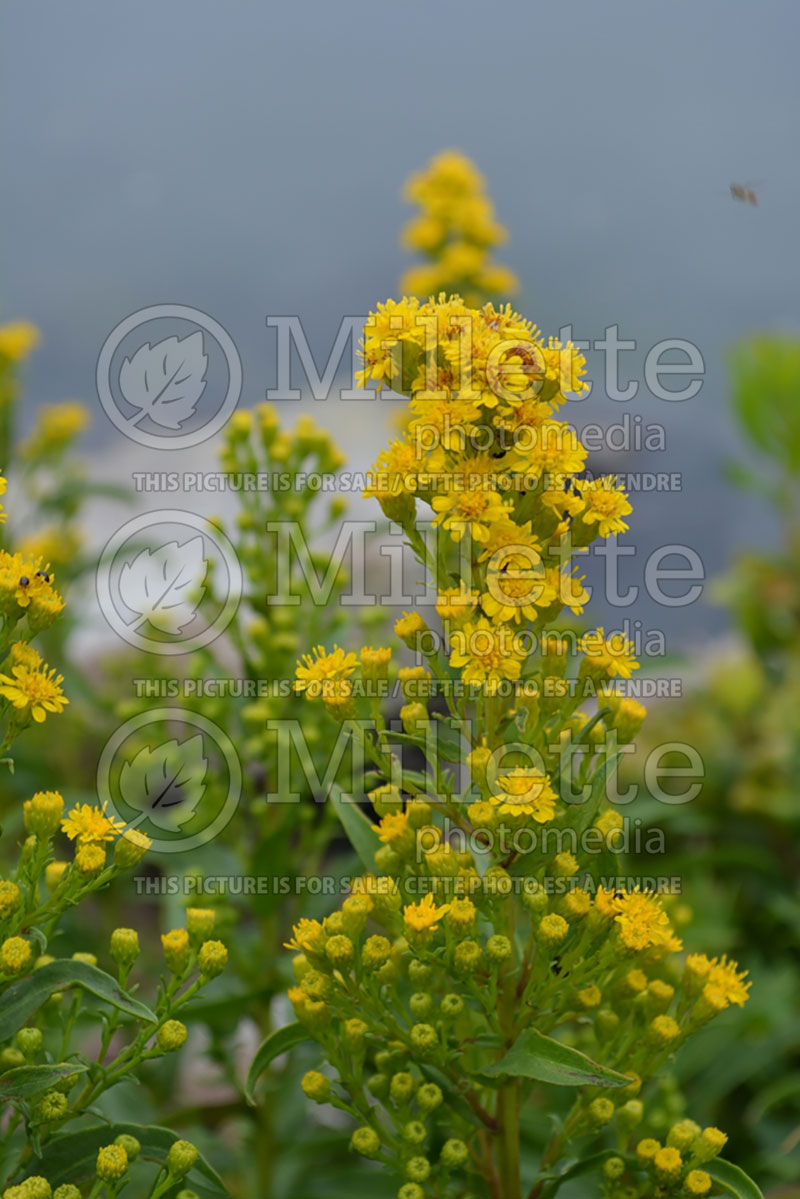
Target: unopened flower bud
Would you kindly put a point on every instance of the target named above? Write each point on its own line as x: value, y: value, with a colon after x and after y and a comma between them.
x: 171, y: 1036
x: 552, y: 931
x: 366, y: 1142
x: 181, y: 1157
x: 316, y: 1086
x: 112, y: 1163
x: 124, y: 946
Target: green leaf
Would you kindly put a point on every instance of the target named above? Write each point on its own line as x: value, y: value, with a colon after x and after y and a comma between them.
x: 360, y: 832
x: 586, y: 1166
x: 22, y: 999
x: 278, y: 1042
x: 732, y: 1179
x: 73, y: 1156
x: 534, y: 1055
x: 27, y: 1080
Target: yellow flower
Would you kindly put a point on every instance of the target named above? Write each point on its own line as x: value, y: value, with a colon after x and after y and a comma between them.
x: 375, y: 662
x: 424, y: 916
x: 90, y: 858
x: 642, y: 921
x: 33, y: 692
x: 408, y: 628
x: 320, y: 668
x: 475, y: 512
x: 517, y: 586
x: 605, y: 504
x: 309, y: 937
x: 610, y: 657
x: 56, y: 426
x: 727, y: 978
x: 17, y: 339
x: 526, y: 792
x: 90, y: 825
x: 456, y: 603
x: 486, y: 654
x: 15, y: 955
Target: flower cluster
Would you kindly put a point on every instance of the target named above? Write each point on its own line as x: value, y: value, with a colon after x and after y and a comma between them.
x: 491, y: 944
x: 456, y: 230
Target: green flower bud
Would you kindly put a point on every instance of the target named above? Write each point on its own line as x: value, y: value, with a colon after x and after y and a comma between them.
x: 455, y: 1154
x: 646, y: 1151
x: 355, y: 910
x: 709, y: 1145
x: 467, y: 958
x: 498, y: 949
x: 176, y: 949
x: 68, y: 1191
x: 316, y: 1086
x: 212, y: 959
x: 29, y: 1040
x: 414, y: 717
x: 129, y: 1144
x: 181, y: 1157
x: 401, y: 1087
x: 171, y: 1036
x: 419, y: 813
x: 42, y: 814
x: 124, y: 946
x: 553, y: 931
x: 419, y: 973
x: 11, y: 1059
x: 317, y: 986
x: 424, y: 1039
x: 355, y: 1032
x: 683, y: 1135
x: 658, y: 997
x: 378, y: 1085
x: 386, y: 799
x: 388, y: 974
x: 630, y: 1114
x: 429, y: 1097
x: 200, y: 924
x: 339, y: 951
x: 414, y: 1133
x: 606, y: 1024
x: 52, y: 1106
x: 376, y: 952
x: 613, y: 1168
x: 421, y: 1004
x: 366, y: 1142
x: 418, y: 1169
x: 387, y: 861
x: 452, y: 1006
x: 601, y: 1111
x: 410, y: 1190
x: 112, y: 1163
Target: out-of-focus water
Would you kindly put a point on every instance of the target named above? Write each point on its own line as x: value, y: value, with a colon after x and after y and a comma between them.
x: 247, y: 159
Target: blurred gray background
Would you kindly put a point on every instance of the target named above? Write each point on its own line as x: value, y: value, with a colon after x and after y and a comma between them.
x: 248, y: 158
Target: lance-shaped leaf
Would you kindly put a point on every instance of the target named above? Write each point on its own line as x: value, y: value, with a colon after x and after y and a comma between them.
x: 29, y: 1080
x: 23, y: 998
x: 166, y: 783
x: 732, y: 1179
x: 278, y: 1042
x: 164, y: 586
x: 533, y: 1055
x: 73, y: 1156
x: 361, y: 834
x: 165, y: 381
